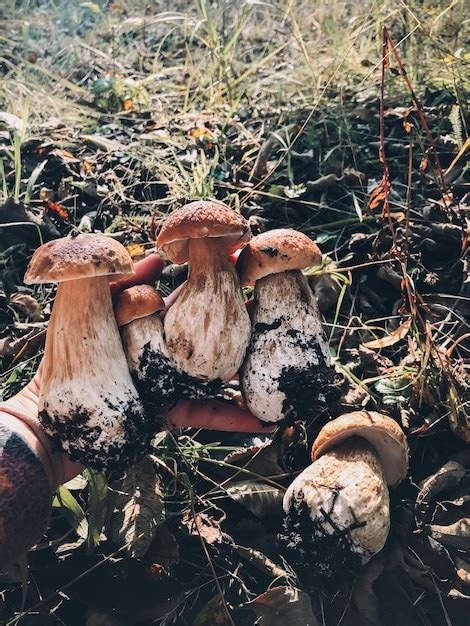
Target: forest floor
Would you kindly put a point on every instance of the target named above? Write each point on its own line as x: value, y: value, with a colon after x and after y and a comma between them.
x: 112, y: 114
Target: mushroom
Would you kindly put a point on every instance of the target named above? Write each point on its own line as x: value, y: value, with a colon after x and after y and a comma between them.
x: 207, y: 330
x: 154, y: 374
x: 287, y: 372
x: 88, y: 402
x: 337, y: 510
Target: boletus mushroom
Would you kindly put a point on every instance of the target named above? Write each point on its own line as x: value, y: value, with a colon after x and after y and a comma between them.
x: 88, y: 402
x: 337, y: 510
x: 207, y: 330
x: 287, y: 372
x: 155, y: 376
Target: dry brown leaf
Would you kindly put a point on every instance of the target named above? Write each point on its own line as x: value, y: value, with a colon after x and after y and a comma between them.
x: 453, y: 536
x: 283, y: 605
x: 135, y: 508
x: 135, y: 250
x: 391, y: 339
x: 204, y: 526
x: 26, y: 305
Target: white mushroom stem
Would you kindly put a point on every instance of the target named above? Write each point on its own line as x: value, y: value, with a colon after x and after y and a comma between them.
x: 150, y: 363
x: 208, y: 329
x: 346, y: 495
x: 287, y: 339
x: 139, y: 335
x: 88, y: 400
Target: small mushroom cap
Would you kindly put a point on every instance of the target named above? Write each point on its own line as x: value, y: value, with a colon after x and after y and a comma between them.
x: 276, y: 251
x: 84, y: 256
x: 382, y: 432
x: 197, y: 220
x: 136, y: 302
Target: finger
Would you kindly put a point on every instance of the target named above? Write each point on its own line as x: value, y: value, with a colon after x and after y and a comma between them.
x: 146, y: 272
x: 234, y: 256
x: 215, y: 415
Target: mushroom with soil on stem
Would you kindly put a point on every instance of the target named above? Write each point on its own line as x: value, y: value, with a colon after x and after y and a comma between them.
x: 207, y: 330
x: 287, y: 372
x: 338, y: 510
x: 154, y: 374
x: 88, y: 402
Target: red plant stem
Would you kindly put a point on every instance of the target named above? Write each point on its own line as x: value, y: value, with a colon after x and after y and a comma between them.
x: 388, y: 43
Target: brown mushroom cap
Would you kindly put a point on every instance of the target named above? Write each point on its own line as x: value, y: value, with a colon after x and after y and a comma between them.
x: 382, y: 432
x: 276, y: 251
x: 84, y: 256
x: 197, y: 220
x: 136, y: 302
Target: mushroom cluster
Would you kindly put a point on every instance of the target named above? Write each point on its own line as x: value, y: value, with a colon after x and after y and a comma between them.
x: 337, y: 511
x: 88, y: 403
x: 104, y: 393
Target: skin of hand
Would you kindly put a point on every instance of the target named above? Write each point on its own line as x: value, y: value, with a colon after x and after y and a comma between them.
x: 30, y: 469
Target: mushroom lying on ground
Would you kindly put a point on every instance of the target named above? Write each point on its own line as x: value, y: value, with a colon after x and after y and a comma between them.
x: 88, y: 402
x: 143, y: 339
x: 337, y: 509
x: 208, y: 329
x: 287, y: 371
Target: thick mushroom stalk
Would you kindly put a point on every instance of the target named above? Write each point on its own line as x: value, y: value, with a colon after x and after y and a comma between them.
x: 207, y: 330
x: 287, y: 372
x: 88, y: 403
x: 337, y: 509
x: 151, y: 367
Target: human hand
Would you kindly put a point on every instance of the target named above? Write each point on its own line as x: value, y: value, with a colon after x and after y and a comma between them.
x: 30, y: 469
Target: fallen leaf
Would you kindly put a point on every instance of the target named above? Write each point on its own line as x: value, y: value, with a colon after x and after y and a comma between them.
x: 454, y: 536
x: 135, y: 508
x: 463, y: 571
x: 261, y: 562
x: 11, y: 121
x: 164, y: 549
x: 391, y: 339
x: 261, y: 499
x: 280, y: 606
x: 27, y: 306
x: 103, y: 143
x: 135, y: 250
x: 204, y: 526
x: 201, y: 133
x: 213, y: 614
x: 447, y: 477
x: 365, y: 599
